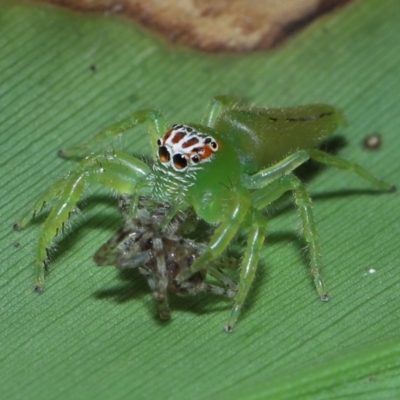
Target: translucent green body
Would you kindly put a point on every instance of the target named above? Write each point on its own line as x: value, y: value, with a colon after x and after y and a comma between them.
x: 228, y: 169
x: 263, y: 136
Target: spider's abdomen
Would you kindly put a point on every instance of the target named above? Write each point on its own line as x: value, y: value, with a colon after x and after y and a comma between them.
x: 265, y: 136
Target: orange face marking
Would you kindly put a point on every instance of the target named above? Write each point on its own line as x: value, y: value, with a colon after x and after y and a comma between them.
x: 191, y: 142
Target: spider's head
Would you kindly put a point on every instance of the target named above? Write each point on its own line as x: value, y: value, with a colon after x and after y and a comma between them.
x: 183, y: 147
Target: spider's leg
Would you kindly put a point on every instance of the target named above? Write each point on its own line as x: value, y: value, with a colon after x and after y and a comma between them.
x: 161, y: 286
x: 290, y: 163
x: 232, y: 219
x: 156, y: 128
x: 217, y: 105
x: 120, y: 172
x: 194, y: 288
x: 40, y: 204
x: 346, y: 165
x: 128, y: 206
x: 255, y: 240
x: 226, y: 280
x: 276, y: 171
x: 267, y: 195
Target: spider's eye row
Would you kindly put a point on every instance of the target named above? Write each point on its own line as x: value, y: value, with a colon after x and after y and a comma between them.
x: 183, y: 145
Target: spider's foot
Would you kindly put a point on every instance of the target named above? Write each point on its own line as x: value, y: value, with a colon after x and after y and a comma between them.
x: 75, y: 153
x: 17, y: 226
x: 62, y: 154
x: 232, y: 319
x: 38, y: 289
x: 324, y: 297
x: 165, y: 314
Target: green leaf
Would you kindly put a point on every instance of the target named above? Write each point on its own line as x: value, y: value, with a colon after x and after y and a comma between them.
x: 93, y: 333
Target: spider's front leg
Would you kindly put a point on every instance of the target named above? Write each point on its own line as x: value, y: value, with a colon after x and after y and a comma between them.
x: 156, y: 127
x: 255, y: 240
x: 118, y: 171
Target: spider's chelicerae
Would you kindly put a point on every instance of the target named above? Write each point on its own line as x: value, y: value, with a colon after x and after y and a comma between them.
x: 161, y: 254
x: 228, y: 169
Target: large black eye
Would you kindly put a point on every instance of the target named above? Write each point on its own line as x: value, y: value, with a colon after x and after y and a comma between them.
x: 179, y: 161
x: 196, y: 159
x: 163, y: 154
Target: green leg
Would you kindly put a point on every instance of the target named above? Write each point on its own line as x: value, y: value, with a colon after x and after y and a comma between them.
x: 230, y: 224
x: 290, y: 163
x: 156, y: 128
x: 118, y: 171
x: 255, y: 240
x: 267, y: 195
x: 40, y: 204
x: 346, y: 165
x: 139, y: 170
x: 276, y: 171
x: 216, y: 106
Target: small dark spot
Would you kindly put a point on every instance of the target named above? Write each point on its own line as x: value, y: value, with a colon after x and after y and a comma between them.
x: 61, y: 153
x: 372, y: 141
x: 17, y: 227
x: 228, y: 328
x: 308, y: 118
x: 93, y: 68
x: 16, y: 244
x: 38, y: 289
x: 189, y: 129
x: 195, y: 159
x: 159, y: 142
x: 273, y: 119
x: 207, y: 140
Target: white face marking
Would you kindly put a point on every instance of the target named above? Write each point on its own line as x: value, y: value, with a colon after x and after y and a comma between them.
x: 183, y: 146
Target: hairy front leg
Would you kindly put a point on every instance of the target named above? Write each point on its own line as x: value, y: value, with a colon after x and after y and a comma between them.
x: 248, y: 268
x: 155, y: 124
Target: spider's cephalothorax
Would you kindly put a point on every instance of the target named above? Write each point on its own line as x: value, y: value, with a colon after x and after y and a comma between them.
x: 183, y: 146
x: 228, y: 170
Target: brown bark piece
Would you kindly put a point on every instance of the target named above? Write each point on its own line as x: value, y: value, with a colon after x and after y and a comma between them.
x: 218, y: 25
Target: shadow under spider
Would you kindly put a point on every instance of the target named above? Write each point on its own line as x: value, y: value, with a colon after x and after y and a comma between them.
x: 135, y: 286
